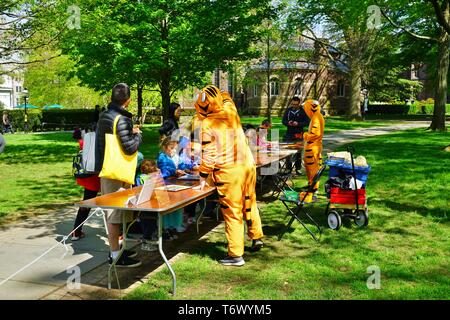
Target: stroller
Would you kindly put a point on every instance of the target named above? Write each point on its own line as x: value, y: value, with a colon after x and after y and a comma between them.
x: 344, y: 202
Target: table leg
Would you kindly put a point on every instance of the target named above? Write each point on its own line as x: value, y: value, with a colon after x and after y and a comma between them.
x: 161, y: 252
x: 197, y: 222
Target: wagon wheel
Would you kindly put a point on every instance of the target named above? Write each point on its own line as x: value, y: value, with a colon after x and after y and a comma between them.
x: 362, y: 218
x: 334, y: 220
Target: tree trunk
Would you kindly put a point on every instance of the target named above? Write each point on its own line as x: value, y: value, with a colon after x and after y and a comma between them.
x: 269, y: 107
x: 165, y: 74
x: 440, y: 99
x: 354, y: 111
x: 140, y: 89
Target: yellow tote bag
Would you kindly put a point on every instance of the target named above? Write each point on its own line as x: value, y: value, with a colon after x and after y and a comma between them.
x: 117, y: 165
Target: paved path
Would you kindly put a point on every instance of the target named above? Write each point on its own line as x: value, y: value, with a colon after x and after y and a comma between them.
x: 23, y: 242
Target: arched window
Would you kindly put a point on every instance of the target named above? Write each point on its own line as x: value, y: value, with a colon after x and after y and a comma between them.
x: 255, y: 90
x: 298, y: 87
x: 341, y: 88
x: 274, y: 87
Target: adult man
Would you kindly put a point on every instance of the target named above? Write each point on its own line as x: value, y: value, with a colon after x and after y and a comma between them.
x: 295, y: 119
x: 227, y: 158
x: 130, y: 138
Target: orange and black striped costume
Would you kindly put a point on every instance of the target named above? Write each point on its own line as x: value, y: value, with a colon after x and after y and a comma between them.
x: 313, y: 140
x: 226, y: 156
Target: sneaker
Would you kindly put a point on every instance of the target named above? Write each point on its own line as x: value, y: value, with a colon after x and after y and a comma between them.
x: 76, y: 237
x: 173, y: 233
x: 181, y: 229
x: 232, y: 261
x: 257, y: 244
x: 167, y: 236
x: 130, y: 253
x: 125, y: 262
x: 148, y: 246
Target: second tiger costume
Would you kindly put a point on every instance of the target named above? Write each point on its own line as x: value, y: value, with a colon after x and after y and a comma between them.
x: 313, y: 141
x: 227, y: 157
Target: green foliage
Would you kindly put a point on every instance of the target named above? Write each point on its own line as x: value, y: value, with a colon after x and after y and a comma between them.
x: 165, y: 44
x: 48, y: 83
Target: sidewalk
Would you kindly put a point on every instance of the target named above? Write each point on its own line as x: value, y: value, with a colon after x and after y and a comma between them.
x: 47, y: 279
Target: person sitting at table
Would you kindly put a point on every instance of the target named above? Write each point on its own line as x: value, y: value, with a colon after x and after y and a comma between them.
x: 189, y: 163
x: 148, y: 170
x: 295, y: 119
x: 261, y: 139
x: 167, y: 162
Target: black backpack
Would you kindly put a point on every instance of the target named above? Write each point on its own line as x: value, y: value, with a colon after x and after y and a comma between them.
x: 78, y: 170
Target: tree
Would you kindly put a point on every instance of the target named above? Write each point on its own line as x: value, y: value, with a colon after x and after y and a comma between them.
x: 167, y: 44
x: 48, y: 82
x: 350, y: 34
x: 26, y: 26
x: 426, y: 21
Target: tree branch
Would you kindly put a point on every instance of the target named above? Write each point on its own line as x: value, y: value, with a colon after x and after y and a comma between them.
x: 440, y: 15
x: 417, y: 36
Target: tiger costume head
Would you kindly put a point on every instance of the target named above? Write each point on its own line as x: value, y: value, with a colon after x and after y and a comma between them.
x: 209, y: 101
x: 311, y: 106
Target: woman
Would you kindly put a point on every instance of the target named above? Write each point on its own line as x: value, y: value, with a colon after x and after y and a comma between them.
x: 171, y: 124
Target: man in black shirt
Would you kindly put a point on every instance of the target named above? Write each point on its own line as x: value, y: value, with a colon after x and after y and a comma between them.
x: 295, y: 119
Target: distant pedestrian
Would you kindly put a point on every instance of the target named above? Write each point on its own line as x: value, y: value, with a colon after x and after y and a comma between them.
x: 2, y: 143
x: 96, y: 116
x: 7, y: 127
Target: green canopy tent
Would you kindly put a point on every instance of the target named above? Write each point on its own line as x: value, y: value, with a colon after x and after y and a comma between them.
x: 53, y: 106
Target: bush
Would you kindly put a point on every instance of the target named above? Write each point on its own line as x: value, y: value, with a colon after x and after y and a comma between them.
x: 388, y: 109
x: 76, y: 117
x: 18, y: 116
x: 426, y: 107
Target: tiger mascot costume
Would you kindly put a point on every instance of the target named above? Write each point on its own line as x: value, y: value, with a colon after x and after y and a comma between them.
x: 312, y: 141
x: 227, y: 158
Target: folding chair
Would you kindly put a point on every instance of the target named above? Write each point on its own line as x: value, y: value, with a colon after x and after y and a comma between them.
x: 281, y: 179
x: 299, y: 208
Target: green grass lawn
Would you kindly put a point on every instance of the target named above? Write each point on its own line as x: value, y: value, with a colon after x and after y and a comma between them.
x: 408, y: 238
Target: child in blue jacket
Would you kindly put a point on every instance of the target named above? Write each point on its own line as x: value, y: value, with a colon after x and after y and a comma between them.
x: 167, y: 163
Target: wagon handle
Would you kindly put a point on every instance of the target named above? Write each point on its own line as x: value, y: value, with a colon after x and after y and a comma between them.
x: 351, y: 150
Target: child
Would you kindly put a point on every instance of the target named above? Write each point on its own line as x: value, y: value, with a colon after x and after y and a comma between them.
x: 261, y: 140
x: 147, y: 170
x: 167, y: 162
x: 189, y: 162
x: 91, y: 187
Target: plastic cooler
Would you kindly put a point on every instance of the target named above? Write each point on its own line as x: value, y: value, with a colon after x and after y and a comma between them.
x: 339, y: 165
x: 341, y: 196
